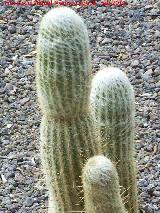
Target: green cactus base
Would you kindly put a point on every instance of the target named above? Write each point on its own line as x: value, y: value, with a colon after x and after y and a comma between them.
x: 65, y: 147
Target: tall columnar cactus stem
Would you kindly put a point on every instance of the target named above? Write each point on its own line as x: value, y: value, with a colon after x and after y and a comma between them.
x: 63, y: 79
x: 101, y: 187
x: 112, y: 102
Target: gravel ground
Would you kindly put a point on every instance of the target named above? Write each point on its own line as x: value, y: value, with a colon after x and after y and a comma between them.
x: 126, y: 37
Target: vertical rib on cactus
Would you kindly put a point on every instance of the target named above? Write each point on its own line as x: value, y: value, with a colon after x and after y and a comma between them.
x: 112, y: 101
x: 101, y: 187
x: 63, y: 79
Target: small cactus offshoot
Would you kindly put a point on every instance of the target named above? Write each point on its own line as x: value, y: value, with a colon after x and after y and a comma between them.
x: 101, y: 187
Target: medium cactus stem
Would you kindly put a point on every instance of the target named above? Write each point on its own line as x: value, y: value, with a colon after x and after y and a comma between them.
x: 101, y: 187
x: 112, y: 101
x: 68, y: 133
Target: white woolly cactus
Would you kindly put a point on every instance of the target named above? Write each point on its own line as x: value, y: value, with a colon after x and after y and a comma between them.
x: 68, y: 134
x: 64, y: 64
x: 112, y: 103
x: 101, y: 187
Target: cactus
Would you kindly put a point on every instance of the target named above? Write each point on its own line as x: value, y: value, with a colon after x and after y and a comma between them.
x: 112, y: 103
x: 68, y: 133
x: 101, y: 187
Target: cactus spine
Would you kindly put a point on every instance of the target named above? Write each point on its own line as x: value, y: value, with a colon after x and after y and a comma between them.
x: 101, y: 187
x: 112, y: 102
x: 68, y: 134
